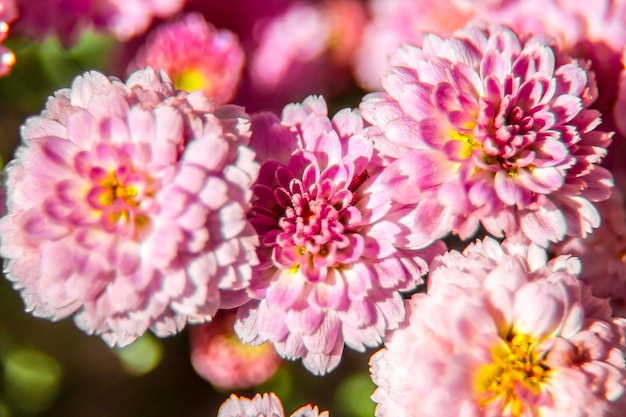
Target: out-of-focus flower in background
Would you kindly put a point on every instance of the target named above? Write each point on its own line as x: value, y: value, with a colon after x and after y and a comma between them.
x: 127, y: 204
x: 8, y: 13
x: 305, y: 50
x: 221, y: 358
x: 603, y: 252
x: 68, y: 19
x: 395, y: 22
x: 195, y: 55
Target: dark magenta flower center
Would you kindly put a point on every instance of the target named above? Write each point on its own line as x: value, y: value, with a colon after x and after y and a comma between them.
x: 312, y: 220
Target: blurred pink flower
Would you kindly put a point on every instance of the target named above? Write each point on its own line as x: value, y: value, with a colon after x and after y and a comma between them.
x: 494, y: 337
x: 8, y: 13
x: 395, y: 22
x: 333, y: 252
x: 68, y: 19
x: 304, y: 50
x: 603, y: 253
x: 244, y: 17
x: 126, y: 205
x: 196, y: 56
x: 218, y: 355
x: 615, y: 159
x: 483, y: 127
x: 268, y: 405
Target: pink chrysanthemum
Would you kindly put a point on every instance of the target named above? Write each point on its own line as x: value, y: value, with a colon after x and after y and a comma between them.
x: 8, y: 13
x: 603, y: 253
x: 196, y: 56
x: 496, y: 338
x: 332, y: 254
x: 593, y: 31
x: 126, y: 205
x: 67, y: 19
x: 218, y: 355
x: 268, y: 405
x: 486, y: 128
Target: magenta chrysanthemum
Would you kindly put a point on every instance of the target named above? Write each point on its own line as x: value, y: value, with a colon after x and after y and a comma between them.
x: 491, y: 129
x: 268, y: 405
x: 196, y: 56
x: 496, y: 338
x: 126, y: 205
x: 333, y: 249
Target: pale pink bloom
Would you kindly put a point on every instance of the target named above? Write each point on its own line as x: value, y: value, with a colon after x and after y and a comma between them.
x: 126, y: 205
x: 395, y: 22
x: 334, y: 251
x: 195, y: 55
x: 218, y: 355
x: 603, y: 253
x: 8, y: 13
x: 268, y: 405
x: 485, y: 128
x: 494, y: 337
x: 68, y: 19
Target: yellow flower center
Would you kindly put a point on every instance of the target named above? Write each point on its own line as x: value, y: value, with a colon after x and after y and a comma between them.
x: 295, y: 267
x: 514, y: 364
x: 468, y: 143
x: 113, y: 191
x: 191, y: 79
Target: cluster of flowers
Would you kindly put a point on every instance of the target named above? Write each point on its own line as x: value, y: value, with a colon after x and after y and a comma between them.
x: 153, y: 203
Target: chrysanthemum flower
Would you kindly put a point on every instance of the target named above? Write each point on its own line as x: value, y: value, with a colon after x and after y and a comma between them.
x: 491, y: 129
x: 8, y: 13
x: 67, y: 19
x: 218, y: 355
x: 333, y: 247
x: 496, y: 338
x: 196, y: 56
x: 587, y: 31
x: 268, y: 405
x: 126, y: 205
